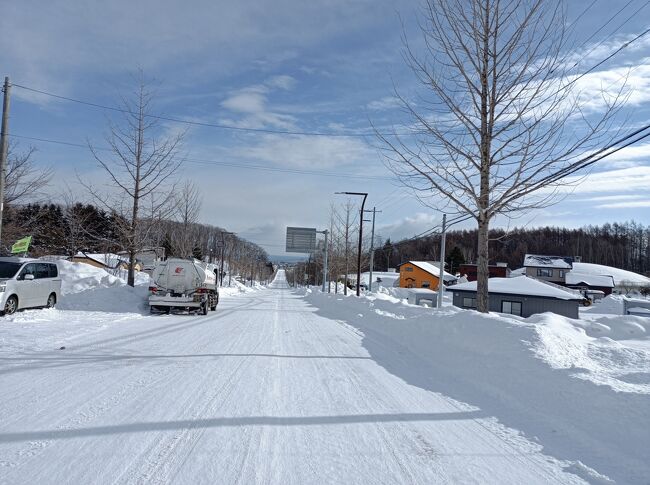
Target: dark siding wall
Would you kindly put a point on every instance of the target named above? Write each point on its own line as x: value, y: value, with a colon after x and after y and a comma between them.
x: 530, y: 305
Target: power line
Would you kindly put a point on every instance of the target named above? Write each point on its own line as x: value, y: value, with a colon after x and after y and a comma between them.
x: 296, y: 132
x: 201, y: 123
x: 208, y: 162
x: 599, y: 29
x: 603, y: 61
x: 613, y: 32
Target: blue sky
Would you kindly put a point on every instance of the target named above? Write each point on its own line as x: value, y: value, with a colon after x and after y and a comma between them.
x: 326, y: 66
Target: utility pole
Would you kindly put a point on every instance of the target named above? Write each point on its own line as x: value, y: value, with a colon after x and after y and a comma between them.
x: 325, y: 261
x: 347, y: 251
x: 441, y: 279
x: 372, y: 247
x: 4, y: 135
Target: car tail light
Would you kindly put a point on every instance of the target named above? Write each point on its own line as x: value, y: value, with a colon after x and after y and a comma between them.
x: 201, y: 290
x: 153, y: 289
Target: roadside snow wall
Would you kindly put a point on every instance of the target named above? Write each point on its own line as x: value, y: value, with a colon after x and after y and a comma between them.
x: 499, y: 365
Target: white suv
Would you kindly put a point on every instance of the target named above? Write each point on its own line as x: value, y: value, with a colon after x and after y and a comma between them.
x: 27, y: 284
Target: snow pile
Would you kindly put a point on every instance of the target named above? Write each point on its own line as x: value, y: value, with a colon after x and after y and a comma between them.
x: 580, y: 389
x: 597, y: 350
x: 78, y: 277
x: 610, y: 305
x: 87, y: 288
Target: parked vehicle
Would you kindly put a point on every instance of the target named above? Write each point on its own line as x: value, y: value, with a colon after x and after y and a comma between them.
x: 28, y: 283
x: 183, y: 284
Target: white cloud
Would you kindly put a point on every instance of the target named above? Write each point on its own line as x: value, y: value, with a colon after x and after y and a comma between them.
x: 619, y: 181
x: 246, y: 101
x: 625, y: 205
x: 385, y: 103
x: 282, y: 82
x: 409, y: 226
x: 609, y: 198
x: 309, y: 152
x: 253, y: 103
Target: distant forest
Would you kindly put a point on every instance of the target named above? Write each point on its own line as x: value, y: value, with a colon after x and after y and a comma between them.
x: 625, y: 246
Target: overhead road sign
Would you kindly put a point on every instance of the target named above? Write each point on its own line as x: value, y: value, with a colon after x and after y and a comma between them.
x: 301, y: 240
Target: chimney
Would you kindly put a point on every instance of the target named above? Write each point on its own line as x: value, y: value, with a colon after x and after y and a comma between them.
x: 577, y: 259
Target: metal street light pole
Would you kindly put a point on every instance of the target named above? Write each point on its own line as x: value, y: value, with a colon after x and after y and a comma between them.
x: 363, y: 203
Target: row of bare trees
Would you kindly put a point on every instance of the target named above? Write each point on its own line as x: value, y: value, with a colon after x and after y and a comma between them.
x: 140, y: 204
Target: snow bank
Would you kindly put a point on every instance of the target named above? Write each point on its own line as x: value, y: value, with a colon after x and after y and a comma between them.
x: 237, y: 288
x: 87, y: 288
x: 584, y: 397
x: 596, y: 350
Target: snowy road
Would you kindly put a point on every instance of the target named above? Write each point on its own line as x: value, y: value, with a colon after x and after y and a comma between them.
x: 263, y: 390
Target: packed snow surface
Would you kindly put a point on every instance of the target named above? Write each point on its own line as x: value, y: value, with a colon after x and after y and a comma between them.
x: 276, y: 387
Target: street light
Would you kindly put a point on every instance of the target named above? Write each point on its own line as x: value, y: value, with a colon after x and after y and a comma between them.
x: 363, y: 203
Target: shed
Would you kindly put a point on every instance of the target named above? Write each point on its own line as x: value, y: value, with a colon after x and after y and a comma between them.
x: 636, y: 306
x: 422, y: 274
x: 521, y: 296
x: 418, y: 296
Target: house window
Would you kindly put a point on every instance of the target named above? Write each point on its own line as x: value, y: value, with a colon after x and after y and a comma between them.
x: 469, y: 302
x: 408, y: 268
x: 426, y: 284
x: 547, y: 272
x: 511, y: 307
x: 561, y: 271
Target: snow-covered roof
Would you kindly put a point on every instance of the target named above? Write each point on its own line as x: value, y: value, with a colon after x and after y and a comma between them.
x: 522, y: 286
x: 619, y: 275
x: 109, y: 259
x: 421, y: 291
x: 432, y: 269
x: 541, y: 261
x: 589, y: 279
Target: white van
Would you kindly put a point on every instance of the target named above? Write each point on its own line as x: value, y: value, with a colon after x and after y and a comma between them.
x: 28, y: 283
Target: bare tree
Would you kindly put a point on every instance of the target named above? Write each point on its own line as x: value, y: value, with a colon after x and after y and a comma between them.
x: 141, y: 163
x: 188, y: 202
x: 501, y: 122
x: 24, y: 179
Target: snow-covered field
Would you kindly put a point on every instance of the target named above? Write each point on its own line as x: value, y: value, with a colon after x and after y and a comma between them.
x: 285, y: 387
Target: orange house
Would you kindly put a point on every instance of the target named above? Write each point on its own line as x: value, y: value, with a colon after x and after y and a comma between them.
x: 422, y: 274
